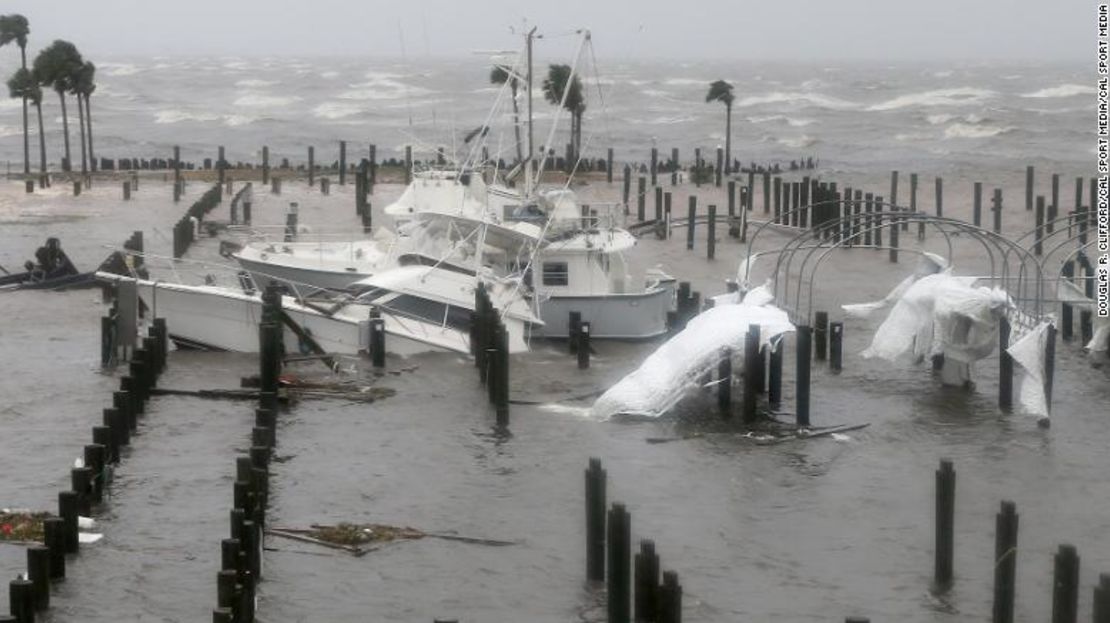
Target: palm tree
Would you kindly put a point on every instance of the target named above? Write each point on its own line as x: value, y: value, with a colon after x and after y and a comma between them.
x: 558, y: 83
x: 86, y: 85
x: 721, y: 91
x: 500, y: 75
x: 14, y: 28
x: 74, y: 90
x: 24, y: 84
x: 55, y: 67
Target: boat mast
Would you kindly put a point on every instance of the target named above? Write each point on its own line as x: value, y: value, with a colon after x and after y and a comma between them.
x: 531, y: 146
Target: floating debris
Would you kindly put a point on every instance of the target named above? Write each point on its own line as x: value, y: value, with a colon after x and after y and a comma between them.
x: 21, y: 525
x: 778, y: 433
x: 360, y: 539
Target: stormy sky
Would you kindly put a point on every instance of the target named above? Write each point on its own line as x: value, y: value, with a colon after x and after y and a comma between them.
x: 792, y: 30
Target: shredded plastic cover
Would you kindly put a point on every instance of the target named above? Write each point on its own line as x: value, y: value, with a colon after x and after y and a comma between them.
x: 665, y: 376
x: 1028, y: 352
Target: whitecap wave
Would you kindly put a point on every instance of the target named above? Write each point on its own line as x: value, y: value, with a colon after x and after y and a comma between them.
x: 680, y: 82
x: 1063, y: 90
x: 939, y: 97
x: 795, y: 98
x: 178, y: 116
x: 259, y: 100
x: 912, y: 136
x: 790, y: 121
x: 966, y: 130
x: 336, y: 110
x: 940, y: 119
x: 118, y: 69
x: 255, y: 83
x: 233, y: 121
x: 793, y: 142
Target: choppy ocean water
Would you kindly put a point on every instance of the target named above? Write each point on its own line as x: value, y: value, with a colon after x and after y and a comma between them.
x: 853, y: 116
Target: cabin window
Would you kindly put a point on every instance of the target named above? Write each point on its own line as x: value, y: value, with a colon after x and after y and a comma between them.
x: 555, y: 274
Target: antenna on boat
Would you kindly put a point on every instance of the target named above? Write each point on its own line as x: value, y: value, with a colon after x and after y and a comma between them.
x: 528, y: 182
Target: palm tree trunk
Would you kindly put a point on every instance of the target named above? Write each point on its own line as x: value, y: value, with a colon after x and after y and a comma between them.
x: 81, y: 118
x: 65, y: 132
x: 42, y: 145
x: 88, y: 120
x: 26, y: 134
x: 516, y: 126
x: 728, y: 138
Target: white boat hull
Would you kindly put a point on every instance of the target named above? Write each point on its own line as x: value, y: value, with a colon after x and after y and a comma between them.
x: 264, y: 273
x: 631, y: 316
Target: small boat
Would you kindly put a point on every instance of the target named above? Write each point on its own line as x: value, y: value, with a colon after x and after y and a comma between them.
x: 51, y: 270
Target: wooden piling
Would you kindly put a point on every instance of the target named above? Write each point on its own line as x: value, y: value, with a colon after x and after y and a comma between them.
x: 658, y: 204
x: 54, y: 537
x: 667, y: 215
x: 342, y: 163
x: 820, y: 334
x: 583, y: 346
x: 641, y: 192
x: 21, y: 601
x: 221, y: 169
x: 717, y: 172
x: 620, y: 546
x: 711, y: 233
x: 595, y: 521
x: 670, y: 599
x: 373, y: 169
x: 265, y: 165
x: 752, y: 370
x: 609, y: 166
x: 1101, y: 607
x: 977, y: 204
x: 1038, y: 234
x: 408, y: 164
x: 1049, y: 367
x: 176, y: 173
x: 774, y: 373
x: 766, y: 193
x: 311, y: 166
x: 996, y: 208
x: 646, y: 581
x: 778, y: 200
x: 67, y: 510
x: 654, y: 167
x: 802, y: 375
x: 1005, y: 563
x: 945, y: 522
x: 1029, y: 188
x: 38, y: 573
x: 1065, y: 585
x: 691, y: 215
x: 626, y: 190
x: 1066, y: 310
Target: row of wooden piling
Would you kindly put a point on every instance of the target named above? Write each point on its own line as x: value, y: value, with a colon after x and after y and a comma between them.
x: 1065, y: 593
x: 46, y: 563
x: 184, y: 230
x: 489, y: 345
x: 241, y: 553
x: 242, y: 201
x: 634, y: 592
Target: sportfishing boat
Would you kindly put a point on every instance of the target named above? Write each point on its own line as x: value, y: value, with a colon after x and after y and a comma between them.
x: 424, y: 308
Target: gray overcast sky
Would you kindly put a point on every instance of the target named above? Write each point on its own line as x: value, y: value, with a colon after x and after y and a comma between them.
x: 765, y: 29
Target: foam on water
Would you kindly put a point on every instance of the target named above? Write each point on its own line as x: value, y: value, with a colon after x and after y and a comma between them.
x: 336, y: 110
x: 964, y: 130
x: 260, y: 100
x: 177, y: 116
x: 797, y: 99
x: 118, y: 69
x: 938, y: 97
x: 255, y: 83
x: 1063, y: 90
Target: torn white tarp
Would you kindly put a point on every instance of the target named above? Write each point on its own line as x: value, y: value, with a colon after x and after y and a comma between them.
x: 1028, y: 352
x: 942, y: 314
x: 1071, y: 293
x: 665, y: 376
x: 928, y: 264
